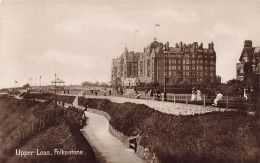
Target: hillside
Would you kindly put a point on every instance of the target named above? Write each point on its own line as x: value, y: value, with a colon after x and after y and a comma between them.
x: 30, y: 126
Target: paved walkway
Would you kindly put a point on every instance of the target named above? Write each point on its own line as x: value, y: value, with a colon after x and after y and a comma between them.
x: 165, y: 107
x: 107, y: 148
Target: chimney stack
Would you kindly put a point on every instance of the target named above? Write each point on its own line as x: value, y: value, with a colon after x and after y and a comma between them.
x: 195, y: 44
x: 211, y: 46
x: 181, y: 45
x: 201, y: 45
x: 167, y: 46
x: 248, y: 43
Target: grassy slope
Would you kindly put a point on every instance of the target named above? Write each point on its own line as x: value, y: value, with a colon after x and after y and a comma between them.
x: 212, y: 137
x: 49, y: 96
x: 17, y: 115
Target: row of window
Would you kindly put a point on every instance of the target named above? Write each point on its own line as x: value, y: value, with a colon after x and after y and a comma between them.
x: 187, y: 56
x: 187, y: 61
x: 186, y: 73
x: 174, y: 61
x: 187, y: 67
x: 191, y: 74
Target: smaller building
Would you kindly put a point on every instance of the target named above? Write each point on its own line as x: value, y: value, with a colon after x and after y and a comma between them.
x: 115, y: 71
x: 249, y: 61
x: 124, y: 67
x: 130, y: 64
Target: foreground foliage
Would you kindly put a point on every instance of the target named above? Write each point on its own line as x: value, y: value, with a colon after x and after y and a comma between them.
x: 29, y: 125
x: 212, y: 137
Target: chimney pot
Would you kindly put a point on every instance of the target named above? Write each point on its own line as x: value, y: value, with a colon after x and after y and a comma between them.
x: 248, y: 43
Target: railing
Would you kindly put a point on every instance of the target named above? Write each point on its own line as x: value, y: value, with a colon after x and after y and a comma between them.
x: 206, y: 100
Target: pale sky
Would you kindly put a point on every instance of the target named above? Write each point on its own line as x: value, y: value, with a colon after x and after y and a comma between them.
x: 78, y: 38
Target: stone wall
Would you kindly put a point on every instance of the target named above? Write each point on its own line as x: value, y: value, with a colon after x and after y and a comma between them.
x: 105, y: 114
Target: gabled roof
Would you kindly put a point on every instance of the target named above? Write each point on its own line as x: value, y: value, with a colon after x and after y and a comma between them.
x: 248, y: 50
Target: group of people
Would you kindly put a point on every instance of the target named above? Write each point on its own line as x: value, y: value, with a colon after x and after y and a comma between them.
x: 196, y: 95
x: 248, y: 92
x: 154, y: 93
x: 107, y: 92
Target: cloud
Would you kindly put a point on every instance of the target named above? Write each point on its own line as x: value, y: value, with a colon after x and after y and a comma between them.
x: 222, y: 31
x: 74, y: 39
x: 228, y: 45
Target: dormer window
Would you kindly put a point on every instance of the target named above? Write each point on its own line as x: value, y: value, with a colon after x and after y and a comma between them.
x: 245, y: 59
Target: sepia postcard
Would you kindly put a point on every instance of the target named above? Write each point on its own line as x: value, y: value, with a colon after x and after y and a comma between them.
x: 129, y: 81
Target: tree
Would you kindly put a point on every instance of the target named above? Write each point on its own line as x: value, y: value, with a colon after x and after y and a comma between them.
x: 234, y: 81
x: 26, y: 86
x: 86, y: 83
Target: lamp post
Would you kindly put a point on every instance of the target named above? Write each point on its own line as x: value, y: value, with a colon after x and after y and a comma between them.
x: 156, y: 25
x: 166, y: 48
x: 164, y: 90
x: 29, y: 83
x: 40, y: 80
x: 55, y: 83
x: 134, y: 38
x: 227, y: 96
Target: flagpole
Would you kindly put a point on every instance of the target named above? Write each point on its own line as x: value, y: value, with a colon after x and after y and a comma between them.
x: 134, y: 38
x: 134, y: 41
x: 55, y: 83
x: 155, y: 31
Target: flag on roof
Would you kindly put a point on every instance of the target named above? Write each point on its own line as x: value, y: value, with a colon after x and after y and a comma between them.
x: 157, y: 24
x: 15, y: 81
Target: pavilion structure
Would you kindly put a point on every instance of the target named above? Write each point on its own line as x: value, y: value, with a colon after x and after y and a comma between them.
x: 57, y: 81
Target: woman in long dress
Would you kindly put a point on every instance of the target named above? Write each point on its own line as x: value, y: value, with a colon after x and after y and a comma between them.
x: 246, y: 93
x: 193, y: 95
x: 199, y: 95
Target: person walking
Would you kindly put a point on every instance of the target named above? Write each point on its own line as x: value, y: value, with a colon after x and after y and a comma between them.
x: 199, y: 95
x: 121, y: 91
x: 193, y: 95
x: 151, y: 92
x: 246, y: 93
x: 158, y: 94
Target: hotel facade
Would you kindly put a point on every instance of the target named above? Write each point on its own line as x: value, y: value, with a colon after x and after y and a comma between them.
x: 160, y: 63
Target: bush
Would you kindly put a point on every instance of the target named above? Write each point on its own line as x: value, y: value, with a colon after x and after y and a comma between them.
x: 43, y: 121
x: 211, y: 137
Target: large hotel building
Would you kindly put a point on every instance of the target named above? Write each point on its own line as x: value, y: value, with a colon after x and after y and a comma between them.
x: 182, y: 63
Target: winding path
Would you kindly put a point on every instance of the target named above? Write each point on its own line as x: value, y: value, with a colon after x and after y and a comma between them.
x: 107, y: 148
